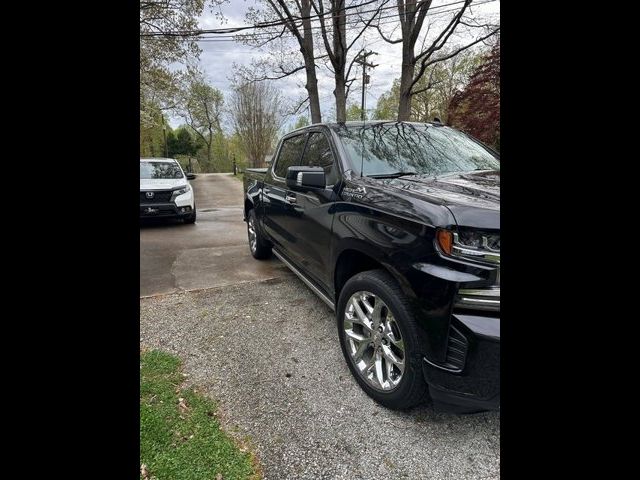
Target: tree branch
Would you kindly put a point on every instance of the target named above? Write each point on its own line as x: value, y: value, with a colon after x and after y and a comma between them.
x: 388, y: 40
x: 446, y: 32
x: 299, y: 107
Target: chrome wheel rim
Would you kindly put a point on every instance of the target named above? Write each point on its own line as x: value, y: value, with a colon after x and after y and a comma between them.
x: 253, y: 241
x: 374, y: 341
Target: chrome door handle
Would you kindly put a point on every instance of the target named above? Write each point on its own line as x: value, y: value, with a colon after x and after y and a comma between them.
x: 290, y: 198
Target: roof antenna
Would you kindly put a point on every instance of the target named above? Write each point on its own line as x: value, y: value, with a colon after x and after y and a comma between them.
x: 363, y: 116
x: 362, y: 60
x: 362, y: 152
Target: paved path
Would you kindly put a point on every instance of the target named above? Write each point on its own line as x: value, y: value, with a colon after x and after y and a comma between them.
x: 213, y: 252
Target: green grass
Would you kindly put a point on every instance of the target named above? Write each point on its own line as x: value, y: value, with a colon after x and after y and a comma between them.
x: 182, y: 440
x: 239, y: 176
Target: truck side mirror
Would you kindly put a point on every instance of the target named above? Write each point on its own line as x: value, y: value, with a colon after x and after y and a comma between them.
x: 300, y: 178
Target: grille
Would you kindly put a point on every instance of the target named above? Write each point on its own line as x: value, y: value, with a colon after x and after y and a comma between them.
x: 163, y: 196
x: 168, y: 210
x: 456, y: 349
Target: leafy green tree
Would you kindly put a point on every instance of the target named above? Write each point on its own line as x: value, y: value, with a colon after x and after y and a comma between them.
x: 181, y: 143
x: 151, y: 135
x: 387, y: 107
x: 237, y: 152
x: 301, y: 122
x: 157, y: 51
x: 201, y: 106
x: 171, y: 141
x: 354, y: 112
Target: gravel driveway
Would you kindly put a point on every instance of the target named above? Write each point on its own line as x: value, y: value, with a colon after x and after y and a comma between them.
x: 268, y: 352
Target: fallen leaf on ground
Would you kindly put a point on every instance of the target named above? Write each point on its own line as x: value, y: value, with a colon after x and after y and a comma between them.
x: 182, y: 405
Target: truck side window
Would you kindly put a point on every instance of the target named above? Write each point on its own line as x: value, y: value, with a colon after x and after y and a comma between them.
x: 290, y: 154
x: 318, y: 154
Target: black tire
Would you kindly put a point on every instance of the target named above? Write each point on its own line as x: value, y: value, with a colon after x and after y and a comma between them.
x: 412, y: 388
x: 191, y: 218
x: 262, y: 249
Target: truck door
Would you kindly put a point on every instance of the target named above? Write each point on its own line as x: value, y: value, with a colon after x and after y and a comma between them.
x: 307, y: 217
x: 277, y: 208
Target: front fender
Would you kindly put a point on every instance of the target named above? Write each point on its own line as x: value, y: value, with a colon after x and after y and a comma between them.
x: 406, y: 249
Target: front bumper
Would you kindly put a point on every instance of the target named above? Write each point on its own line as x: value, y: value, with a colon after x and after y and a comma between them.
x: 164, y: 210
x: 470, y: 382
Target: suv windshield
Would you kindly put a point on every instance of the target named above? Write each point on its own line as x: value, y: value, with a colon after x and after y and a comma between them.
x: 396, y: 148
x: 149, y: 170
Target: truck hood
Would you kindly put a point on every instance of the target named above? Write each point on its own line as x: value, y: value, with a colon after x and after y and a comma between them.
x: 473, y: 198
x: 161, y: 183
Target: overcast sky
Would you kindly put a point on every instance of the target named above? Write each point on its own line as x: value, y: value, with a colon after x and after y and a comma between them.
x: 218, y: 57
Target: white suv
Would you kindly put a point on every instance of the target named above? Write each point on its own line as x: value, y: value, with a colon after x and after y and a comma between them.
x: 165, y: 190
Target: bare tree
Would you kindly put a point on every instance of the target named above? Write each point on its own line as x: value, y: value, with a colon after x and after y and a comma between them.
x: 293, y: 17
x: 336, y: 45
x: 412, y: 15
x: 256, y: 118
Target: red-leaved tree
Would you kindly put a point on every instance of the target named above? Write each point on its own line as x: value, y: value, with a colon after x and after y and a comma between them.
x: 476, y: 109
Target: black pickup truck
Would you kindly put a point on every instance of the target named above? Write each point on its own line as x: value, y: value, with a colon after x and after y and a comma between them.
x: 396, y: 227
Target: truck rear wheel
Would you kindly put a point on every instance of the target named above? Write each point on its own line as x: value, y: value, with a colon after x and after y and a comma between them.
x: 381, y: 340
x: 260, y: 249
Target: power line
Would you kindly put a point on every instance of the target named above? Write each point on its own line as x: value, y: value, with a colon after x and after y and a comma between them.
x: 243, y: 37
x: 273, y: 23
x: 226, y: 32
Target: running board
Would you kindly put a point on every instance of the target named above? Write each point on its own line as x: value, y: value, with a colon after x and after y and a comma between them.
x: 307, y: 282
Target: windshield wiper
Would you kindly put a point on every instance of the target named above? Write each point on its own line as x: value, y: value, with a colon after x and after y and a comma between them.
x: 392, y: 175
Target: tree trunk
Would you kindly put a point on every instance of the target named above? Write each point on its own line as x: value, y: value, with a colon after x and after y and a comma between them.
x: 406, y: 78
x: 312, y: 88
x: 310, y: 63
x: 209, y: 146
x: 341, y: 100
x: 340, y: 58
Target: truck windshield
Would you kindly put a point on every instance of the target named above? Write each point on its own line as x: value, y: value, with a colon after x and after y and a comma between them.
x: 150, y: 170
x: 397, y: 148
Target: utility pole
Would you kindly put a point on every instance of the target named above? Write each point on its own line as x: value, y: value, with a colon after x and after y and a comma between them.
x: 362, y: 60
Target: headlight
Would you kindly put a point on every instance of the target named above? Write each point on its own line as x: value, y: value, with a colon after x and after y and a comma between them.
x: 470, y: 244
x: 180, y: 191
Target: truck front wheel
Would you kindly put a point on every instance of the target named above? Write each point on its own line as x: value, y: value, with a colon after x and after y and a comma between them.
x: 260, y: 249
x: 381, y: 340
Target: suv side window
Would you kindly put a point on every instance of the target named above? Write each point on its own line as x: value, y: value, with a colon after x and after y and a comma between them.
x: 290, y: 154
x: 318, y: 154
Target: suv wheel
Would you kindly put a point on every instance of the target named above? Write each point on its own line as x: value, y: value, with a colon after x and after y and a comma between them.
x: 260, y: 249
x: 381, y: 340
x: 191, y: 218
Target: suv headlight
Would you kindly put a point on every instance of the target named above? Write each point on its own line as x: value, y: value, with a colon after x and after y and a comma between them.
x: 180, y: 191
x: 470, y: 245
